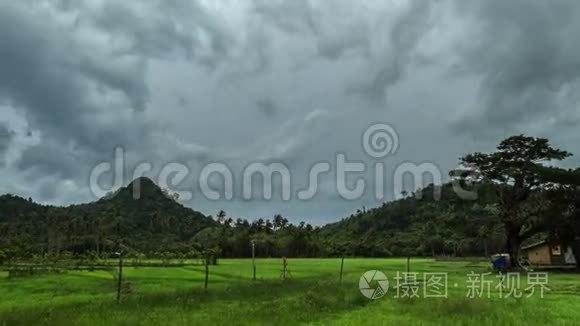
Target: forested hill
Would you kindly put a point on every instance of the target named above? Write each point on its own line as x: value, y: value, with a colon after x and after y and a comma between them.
x: 425, y: 226
x: 156, y: 223
x: 152, y: 221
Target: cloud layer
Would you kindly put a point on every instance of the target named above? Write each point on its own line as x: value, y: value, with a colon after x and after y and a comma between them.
x: 294, y: 81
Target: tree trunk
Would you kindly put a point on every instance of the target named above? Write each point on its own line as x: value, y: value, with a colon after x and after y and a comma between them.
x: 513, y: 246
x: 99, y: 246
x: 486, y: 251
x: 576, y: 252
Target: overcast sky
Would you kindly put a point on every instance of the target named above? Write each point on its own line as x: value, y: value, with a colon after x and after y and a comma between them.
x: 296, y: 82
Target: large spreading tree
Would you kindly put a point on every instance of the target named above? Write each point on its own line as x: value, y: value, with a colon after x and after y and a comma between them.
x: 516, y: 171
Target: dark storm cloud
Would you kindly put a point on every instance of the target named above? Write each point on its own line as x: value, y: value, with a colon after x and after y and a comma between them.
x: 162, y: 29
x: 5, y: 138
x: 267, y: 107
x: 143, y: 36
x: 528, y: 58
x: 50, y: 158
x: 182, y: 102
x: 336, y: 31
x: 388, y: 66
x: 331, y: 25
x: 83, y: 95
x: 49, y: 76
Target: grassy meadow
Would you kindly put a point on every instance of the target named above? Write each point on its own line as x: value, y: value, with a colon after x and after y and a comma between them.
x: 312, y: 294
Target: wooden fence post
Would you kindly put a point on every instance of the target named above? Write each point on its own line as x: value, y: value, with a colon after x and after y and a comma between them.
x: 254, y: 259
x: 341, y: 269
x: 120, y: 277
x: 206, y: 272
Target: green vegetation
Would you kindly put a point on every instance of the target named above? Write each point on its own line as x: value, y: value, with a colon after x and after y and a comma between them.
x: 146, y: 224
x: 57, y: 264
x: 515, y: 170
x: 175, y: 296
x: 423, y: 226
x: 152, y: 224
x: 519, y: 198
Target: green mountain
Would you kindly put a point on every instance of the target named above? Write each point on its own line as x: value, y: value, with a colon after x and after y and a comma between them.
x: 146, y: 221
x: 419, y: 225
x: 152, y: 222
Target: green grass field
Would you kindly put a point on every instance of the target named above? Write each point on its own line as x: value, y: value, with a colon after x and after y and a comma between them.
x: 312, y: 295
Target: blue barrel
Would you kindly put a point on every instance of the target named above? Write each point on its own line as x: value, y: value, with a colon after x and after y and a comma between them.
x: 499, y: 262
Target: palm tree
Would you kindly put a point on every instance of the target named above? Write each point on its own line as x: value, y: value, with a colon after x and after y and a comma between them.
x: 278, y: 222
x: 269, y: 225
x: 221, y: 215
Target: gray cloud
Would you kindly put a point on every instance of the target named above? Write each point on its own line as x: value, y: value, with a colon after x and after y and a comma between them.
x: 527, y: 57
x: 388, y: 65
x: 61, y: 87
x: 50, y: 158
x: 332, y: 26
x: 165, y: 27
x: 267, y: 107
x: 5, y: 138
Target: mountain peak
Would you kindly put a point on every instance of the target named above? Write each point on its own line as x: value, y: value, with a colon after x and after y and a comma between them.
x: 142, y: 187
x: 142, y: 182
x: 136, y: 189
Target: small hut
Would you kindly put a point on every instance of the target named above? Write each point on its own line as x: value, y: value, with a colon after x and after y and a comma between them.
x: 546, y: 253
